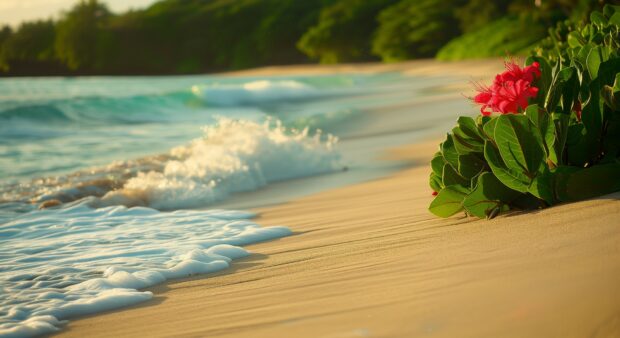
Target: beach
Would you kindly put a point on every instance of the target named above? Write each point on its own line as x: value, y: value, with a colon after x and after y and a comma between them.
x: 368, y: 260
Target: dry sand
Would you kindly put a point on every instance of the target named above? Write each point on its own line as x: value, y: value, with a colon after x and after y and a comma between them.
x: 369, y: 260
x: 475, y: 68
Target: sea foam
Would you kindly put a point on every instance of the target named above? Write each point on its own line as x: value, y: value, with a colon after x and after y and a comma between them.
x: 61, y: 263
x: 234, y: 155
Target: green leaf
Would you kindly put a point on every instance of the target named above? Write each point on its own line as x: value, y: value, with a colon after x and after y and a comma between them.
x: 435, y: 182
x: 515, y: 180
x: 449, y: 153
x: 481, y: 120
x: 608, y: 72
x: 610, y: 10
x: 544, y: 82
x: 577, y: 145
x: 575, y: 184
x: 470, y: 165
x: 489, y: 129
x: 560, y: 179
x: 451, y: 176
x: 542, y: 187
x: 449, y: 201
x: 592, y: 116
x: 437, y: 164
x: 465, y: 144
x: 596, y: 56
x: 543, y: 121
x: 611, y: 98
x: 466, y: 136
x: 574, y: 39
x: 469, y: 127
x: 489, y: 195
x: 581, y: 56
x: 598, y: 19
x: 564, y: 87
x: 615, y: 19
x: 560, y: 122
x: 520, y: 144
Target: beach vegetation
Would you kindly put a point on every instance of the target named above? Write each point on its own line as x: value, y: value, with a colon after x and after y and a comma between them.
x: 549, y: 132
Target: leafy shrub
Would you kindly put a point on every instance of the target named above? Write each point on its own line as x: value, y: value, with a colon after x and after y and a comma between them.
x: 564, y: 146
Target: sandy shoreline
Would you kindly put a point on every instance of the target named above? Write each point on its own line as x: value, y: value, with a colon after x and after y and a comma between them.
x: 369, y: 260
x: 414, y: 67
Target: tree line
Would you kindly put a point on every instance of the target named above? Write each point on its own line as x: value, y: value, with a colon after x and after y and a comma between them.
x: 195, y: 36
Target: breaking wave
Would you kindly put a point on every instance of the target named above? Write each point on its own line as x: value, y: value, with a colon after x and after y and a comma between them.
x: 232, y: 156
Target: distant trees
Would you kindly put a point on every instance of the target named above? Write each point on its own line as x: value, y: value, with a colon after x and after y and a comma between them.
x: 30, y: 47
x: 415, y: 29
x: 78, y: 35
x: 192, y: 36
x: 343, y: 31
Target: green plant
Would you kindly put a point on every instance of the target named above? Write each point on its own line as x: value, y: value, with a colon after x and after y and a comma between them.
x: 564, y: 146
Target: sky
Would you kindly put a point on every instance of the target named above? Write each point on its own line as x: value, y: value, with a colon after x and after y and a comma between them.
x: 13, y: 12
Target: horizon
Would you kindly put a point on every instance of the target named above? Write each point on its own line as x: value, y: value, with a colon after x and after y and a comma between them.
x: 15, y: 12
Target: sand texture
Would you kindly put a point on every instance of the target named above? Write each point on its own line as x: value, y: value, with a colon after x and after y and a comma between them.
x: 369, y: 260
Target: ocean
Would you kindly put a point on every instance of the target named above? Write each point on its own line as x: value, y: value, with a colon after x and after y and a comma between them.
x: 109, y: 185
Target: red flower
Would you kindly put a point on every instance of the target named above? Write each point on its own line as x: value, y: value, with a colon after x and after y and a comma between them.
x: 577, y: 109
x: 515, y: 73
x: 510, y: 90
x: 434, y: 193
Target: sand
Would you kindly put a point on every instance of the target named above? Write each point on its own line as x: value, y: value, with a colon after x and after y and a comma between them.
x: 369, y: 260
x: 476, y: 68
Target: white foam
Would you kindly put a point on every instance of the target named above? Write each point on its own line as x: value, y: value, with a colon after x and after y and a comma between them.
x: 255, y: 92
x: 233, y: 156
x: 58, y: 264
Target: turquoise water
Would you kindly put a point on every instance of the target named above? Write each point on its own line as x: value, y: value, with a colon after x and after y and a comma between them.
x: 53, y: 126
x: 65, y: 139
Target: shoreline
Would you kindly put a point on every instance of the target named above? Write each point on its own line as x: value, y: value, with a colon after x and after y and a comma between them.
x: 369, y: 260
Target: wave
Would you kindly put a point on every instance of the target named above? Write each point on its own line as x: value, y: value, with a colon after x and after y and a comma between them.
x: 233, y: 156
x: 98, y: 110
x: 93, y: 260
x: 256, y: 92
x: 39, y: 113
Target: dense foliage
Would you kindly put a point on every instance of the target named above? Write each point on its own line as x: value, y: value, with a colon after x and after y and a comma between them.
x: 343, y: 30
x: 414, y: 29
x: 171, y: 36
x: 557, y: 137
x: 509, y: 27
x: 192, y: 36
x: 506, y: 36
